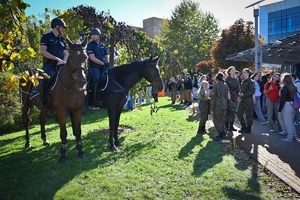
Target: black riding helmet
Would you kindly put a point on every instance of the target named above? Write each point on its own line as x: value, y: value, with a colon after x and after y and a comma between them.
x: 57, y: 21
x: 95, y: 31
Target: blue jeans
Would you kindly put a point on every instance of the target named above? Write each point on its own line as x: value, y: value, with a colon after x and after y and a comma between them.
x: 296, y: 117
x: 258, y: 111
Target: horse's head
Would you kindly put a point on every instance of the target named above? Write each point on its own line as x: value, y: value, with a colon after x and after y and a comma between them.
x: 77, y: 63
x: 153, y: 73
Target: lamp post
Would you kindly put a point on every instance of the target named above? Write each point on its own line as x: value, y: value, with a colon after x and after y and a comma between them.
x: 256, y: 15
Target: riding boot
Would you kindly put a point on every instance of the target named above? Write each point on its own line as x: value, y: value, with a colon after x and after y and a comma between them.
x: 247, y: 130
x: 231, y: 127
x: 96, y: 101
x: 42, y: 104
x: 243, y: 127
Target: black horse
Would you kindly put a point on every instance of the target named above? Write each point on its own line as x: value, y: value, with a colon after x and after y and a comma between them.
x: 116, y: 86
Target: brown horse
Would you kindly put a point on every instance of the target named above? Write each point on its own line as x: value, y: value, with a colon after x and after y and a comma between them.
x: 67, y: 96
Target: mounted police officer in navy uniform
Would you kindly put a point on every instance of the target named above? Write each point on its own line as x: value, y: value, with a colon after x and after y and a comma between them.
x: 53, y: 47
x: 98, y: 59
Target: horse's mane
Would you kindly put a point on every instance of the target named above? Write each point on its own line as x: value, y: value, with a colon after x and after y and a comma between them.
x: 128, y: 68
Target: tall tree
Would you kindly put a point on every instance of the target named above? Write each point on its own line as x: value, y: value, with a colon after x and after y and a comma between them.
x: 238, y: 37
x: 189, y: 34
x: 14, y: 52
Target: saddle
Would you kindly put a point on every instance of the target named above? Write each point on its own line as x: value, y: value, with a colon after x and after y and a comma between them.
x: 50, y: 85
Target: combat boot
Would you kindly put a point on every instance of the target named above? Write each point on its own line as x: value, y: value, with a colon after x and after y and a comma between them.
x: 227, y: 128
x: 247, y: 130
x: 243, y: 127
x: 220, y: 136
x: 201, y: 130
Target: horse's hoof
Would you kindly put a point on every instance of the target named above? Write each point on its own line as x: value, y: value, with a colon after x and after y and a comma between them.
x: 27, y: 145
x: 82, y: 156
x: 46, y: 143
x: 118, y: 144
x: 113, y: 148
x: 63, y: 160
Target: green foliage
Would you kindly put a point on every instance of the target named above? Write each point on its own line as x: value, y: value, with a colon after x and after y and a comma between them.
x: 189, y: 34
x: 238, y: 37
x: 15, y: 52
x: 10, y: 113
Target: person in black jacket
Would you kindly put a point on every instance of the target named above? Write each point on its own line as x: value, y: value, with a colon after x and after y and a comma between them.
x: 286, y: 111
x: 188, y: 89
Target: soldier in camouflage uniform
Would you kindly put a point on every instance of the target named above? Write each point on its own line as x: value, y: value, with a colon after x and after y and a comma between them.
x: 204, y: 98
x: 246, y: 104
x: 173, y: 89
x: 234, y: 89
x: 219, y: 98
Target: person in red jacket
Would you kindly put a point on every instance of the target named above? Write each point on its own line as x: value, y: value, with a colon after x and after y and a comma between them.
x: 271, y: 90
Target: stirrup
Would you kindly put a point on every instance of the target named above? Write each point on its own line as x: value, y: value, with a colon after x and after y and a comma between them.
x: 42, y: 106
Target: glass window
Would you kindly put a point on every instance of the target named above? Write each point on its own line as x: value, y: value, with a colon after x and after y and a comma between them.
x: 274, y: 14
x: 293, y: 10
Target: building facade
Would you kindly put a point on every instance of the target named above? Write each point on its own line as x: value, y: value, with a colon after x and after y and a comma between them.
x: 279, y: 20
x: 152, y: 26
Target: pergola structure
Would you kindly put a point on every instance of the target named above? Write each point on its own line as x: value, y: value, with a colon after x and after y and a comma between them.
x: 284, y: 52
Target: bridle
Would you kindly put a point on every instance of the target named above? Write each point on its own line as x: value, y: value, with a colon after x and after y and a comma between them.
x: 80, y: 67
x: 74, y: 70
x: 157, y: 78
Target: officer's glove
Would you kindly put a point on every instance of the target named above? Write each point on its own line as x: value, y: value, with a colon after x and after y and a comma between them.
x: 106, y: 64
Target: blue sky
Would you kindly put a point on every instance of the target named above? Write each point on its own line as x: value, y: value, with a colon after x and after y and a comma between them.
x: 132, y: 12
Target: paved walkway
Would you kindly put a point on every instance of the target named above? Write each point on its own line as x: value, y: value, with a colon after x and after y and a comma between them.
x: 281, y: 158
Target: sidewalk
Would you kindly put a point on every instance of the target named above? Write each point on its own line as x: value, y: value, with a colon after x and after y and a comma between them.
x: 281, y: 158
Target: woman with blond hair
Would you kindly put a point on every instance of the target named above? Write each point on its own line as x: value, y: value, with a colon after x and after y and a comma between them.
x: 204, y: 97
x: 286, y: 111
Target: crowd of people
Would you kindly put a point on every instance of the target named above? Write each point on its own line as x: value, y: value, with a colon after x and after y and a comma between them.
x: 246, y: 95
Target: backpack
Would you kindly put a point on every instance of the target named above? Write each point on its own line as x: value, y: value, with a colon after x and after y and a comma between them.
x: 296, y: 103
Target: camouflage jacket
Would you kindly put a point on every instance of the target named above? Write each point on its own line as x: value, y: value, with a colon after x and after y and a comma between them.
x: 234, y: 87
x: 219, y: 97
x: 247, y: 88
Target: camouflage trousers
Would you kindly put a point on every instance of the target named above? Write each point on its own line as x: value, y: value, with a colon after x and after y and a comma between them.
x: 219, y: 119
x: 246, y: 106
x: 204, y: 112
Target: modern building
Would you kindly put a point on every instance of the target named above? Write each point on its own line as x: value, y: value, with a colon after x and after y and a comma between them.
x: 280, y: 26
x: 279, y: 20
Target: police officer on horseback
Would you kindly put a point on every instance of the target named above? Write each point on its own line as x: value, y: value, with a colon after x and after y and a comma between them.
x: 53, y: 47
x: 98, y: 59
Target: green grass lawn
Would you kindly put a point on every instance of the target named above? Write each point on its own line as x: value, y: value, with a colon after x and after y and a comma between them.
x: 162, y: 157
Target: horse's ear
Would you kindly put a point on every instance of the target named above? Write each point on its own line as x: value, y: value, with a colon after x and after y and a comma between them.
x: 84, y: 42
x: 69, y: 42
x: 150, y: 58
x: 156, y: 59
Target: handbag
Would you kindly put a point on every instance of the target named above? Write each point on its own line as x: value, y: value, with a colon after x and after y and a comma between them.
x: 296, y: 103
